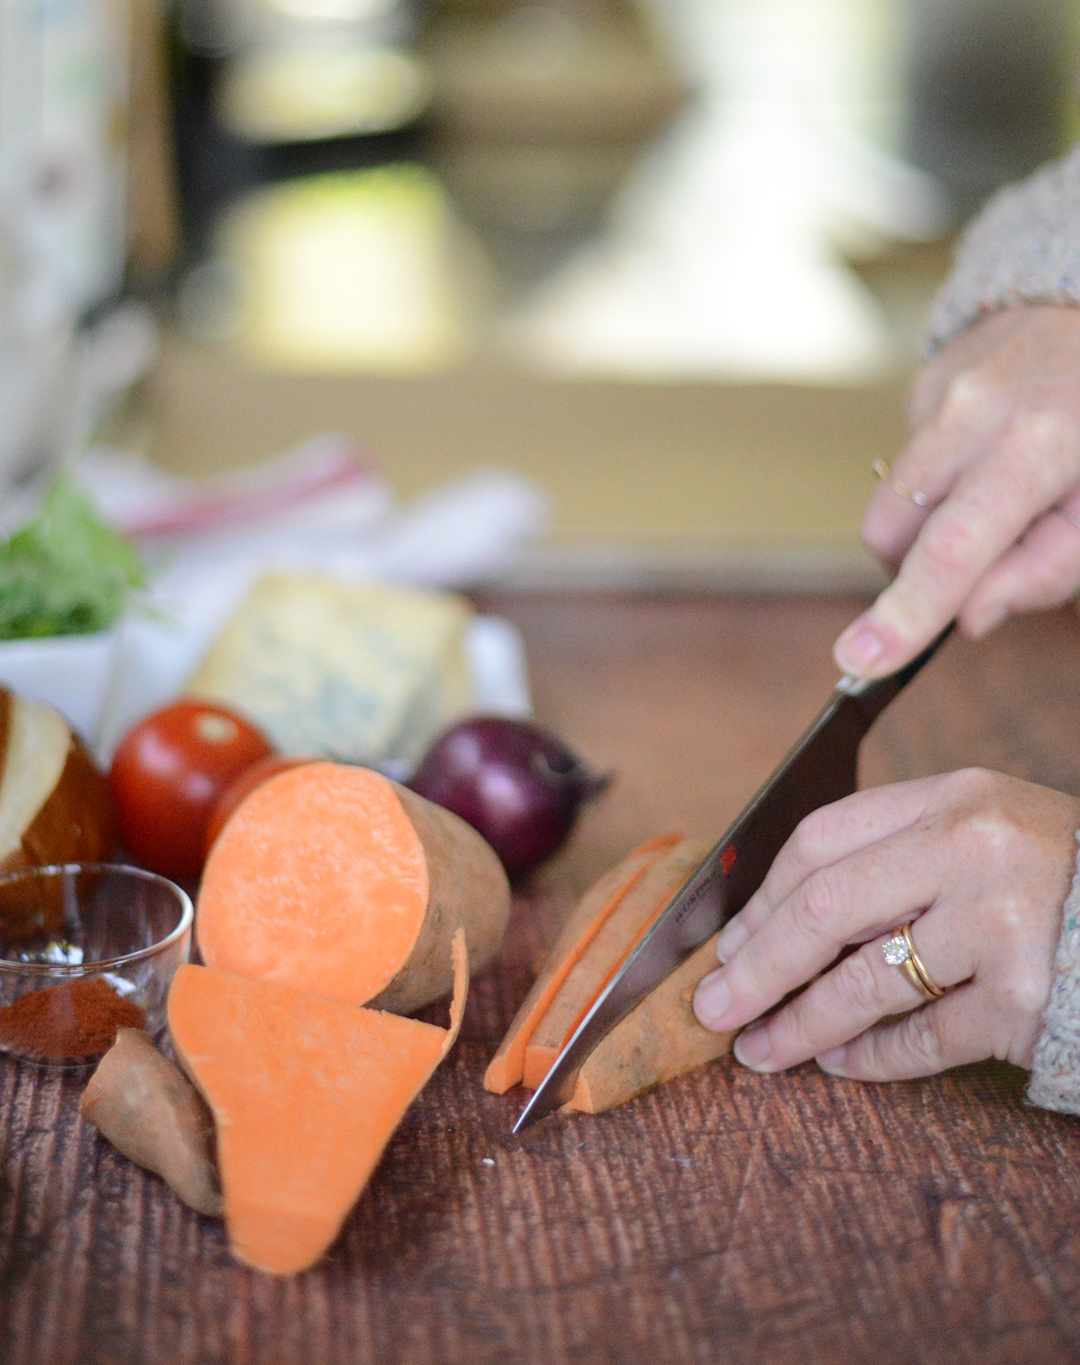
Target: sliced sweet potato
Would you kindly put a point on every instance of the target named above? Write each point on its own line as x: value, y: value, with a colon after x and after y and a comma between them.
x: 507, y: 1067
x: 609, y: 948
x: 150, y: 1111
x: 654, y: 1043
x: 660, y: 1038
x: 305, y: 1092
x: 336, y: 881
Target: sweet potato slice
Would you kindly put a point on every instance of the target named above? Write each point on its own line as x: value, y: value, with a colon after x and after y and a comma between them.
x: 654, y: 1043
x: 660, y: 1038
x: 616, y: 939
x: 507, y: 1067
x: 305, y: 1092
x: 336, y: 881
x: 150, y: 1111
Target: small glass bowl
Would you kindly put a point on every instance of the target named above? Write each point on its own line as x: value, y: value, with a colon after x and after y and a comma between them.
x: 103, y: 940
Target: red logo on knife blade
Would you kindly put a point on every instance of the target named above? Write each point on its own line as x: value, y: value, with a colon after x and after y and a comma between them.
x: 727, y: 858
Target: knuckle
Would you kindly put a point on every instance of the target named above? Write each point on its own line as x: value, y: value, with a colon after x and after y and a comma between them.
x: 858, y: 985
x: 809, y: 840
x: 991, y: 831
x: 1012, y: 929
x: 818, y: 906
x: 878, y: 536
x: 969, y: 787
x: 1023, y: 994
x: 1021, y: 983
x: 965, y: 394
x: 1035, y: 429
x: 1048, y: 581
x: 950, y: 545
x: 921, y: 1038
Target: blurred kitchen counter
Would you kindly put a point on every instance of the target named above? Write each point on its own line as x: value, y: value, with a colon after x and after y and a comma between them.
x: 652, y: 485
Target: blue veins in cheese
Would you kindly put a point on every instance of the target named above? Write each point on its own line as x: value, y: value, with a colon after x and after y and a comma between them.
x: 361, y: 672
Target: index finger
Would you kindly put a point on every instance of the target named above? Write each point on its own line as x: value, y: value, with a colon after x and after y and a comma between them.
x: 875, y: 889
x: 988, y: 509
x: 824, y: 837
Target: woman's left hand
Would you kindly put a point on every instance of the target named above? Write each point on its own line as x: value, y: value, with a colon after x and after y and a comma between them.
x: 983, y: 863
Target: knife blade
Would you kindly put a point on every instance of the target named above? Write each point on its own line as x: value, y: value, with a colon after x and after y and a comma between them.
x: 820, y: 769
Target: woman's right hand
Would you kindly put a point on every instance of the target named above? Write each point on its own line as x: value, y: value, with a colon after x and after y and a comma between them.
x: 995, y: 446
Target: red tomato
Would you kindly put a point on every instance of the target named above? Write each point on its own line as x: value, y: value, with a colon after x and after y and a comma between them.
x: 243, y: 786
x: 168, y: 772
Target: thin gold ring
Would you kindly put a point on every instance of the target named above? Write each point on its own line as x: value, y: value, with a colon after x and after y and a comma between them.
x: 899, y: 951
x: 884, y: 472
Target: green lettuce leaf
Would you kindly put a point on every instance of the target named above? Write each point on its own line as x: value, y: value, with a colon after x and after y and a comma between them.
x: 67, y: 572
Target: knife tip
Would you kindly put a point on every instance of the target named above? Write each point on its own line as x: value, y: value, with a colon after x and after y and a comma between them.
x: 526, y: 1118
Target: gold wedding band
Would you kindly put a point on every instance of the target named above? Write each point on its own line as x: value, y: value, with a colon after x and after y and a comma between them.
x: 884, y: 472
x: 899, y: 951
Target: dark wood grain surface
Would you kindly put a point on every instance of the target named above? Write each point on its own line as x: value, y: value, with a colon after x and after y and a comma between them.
x: 725, y: 1218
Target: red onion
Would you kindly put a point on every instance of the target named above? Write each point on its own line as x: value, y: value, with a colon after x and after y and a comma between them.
x: 514, y: 781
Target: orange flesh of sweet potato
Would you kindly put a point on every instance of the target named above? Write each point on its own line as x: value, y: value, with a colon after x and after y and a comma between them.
x: 600, y: 902
x: 335, y: 881
x: 656, y: 1042
x: 608, y: 949
x: 659, y: 1039
x: 305, y: 1092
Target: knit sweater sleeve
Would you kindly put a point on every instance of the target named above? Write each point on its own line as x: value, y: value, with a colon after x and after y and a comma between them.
x: 1023, y: 248
x: 1055, y: 1071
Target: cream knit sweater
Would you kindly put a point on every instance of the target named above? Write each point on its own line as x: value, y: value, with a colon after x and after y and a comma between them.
x: 1025, y: 248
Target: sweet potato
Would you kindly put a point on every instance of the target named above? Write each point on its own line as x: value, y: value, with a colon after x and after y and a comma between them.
x: 654, y: 1043
x: 305, y: 1092
x: 661, y: 1038
x: 507, y: 1067
x: 150, y: 1111
x: 336, y: 881
x: 616, y: 939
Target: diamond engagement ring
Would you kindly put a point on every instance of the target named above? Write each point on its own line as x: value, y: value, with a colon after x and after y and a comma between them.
x: 884, y: 472
x: 899, y: 951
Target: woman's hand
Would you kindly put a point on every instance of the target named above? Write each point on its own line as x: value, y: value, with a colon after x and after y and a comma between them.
x: 995, y: 446
x: 984, y: 861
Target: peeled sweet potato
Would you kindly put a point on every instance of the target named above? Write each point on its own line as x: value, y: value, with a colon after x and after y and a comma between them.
x: 599, y: 903
x: 305, y: 1092
x: 658, y: 1040
x: 335, y: 881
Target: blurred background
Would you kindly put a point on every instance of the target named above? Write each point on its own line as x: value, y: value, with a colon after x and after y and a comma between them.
x: 666, y: 261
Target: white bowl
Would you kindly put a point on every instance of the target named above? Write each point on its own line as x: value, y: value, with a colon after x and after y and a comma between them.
x: 70, y: 672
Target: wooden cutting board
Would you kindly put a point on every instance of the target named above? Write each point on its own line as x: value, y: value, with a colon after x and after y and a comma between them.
x: 726, y: 1217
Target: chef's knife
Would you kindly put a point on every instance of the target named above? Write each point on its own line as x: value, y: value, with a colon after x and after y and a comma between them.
x: 820, y: 769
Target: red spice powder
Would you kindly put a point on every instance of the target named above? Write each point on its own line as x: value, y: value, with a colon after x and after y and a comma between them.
x: 74, y: 1019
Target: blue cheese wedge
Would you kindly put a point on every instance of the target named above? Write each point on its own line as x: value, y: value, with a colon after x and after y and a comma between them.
x: 352, y: 671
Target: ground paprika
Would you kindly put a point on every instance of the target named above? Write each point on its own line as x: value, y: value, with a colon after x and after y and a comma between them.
x: 74, y: 1019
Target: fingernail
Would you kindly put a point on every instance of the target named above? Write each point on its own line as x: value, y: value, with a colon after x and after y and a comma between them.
x: 859, y: 647
x: 712, y: 999
x: 832, y: 1059
x: 731, y: 940
x: 990, y: 620
x: 752, y: 1047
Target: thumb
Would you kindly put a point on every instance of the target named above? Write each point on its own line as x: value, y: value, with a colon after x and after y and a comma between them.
x: 891, y: 633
